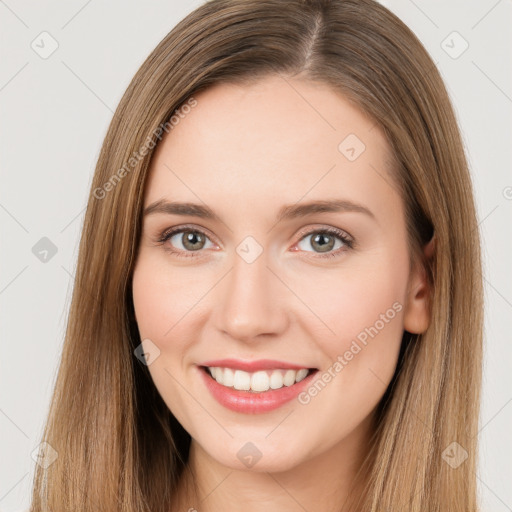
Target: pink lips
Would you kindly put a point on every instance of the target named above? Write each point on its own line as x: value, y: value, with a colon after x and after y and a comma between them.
x: 249, y: 402
x: 252, y: 366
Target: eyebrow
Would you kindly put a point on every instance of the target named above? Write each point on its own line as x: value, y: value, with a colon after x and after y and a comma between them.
x: 286, y: 212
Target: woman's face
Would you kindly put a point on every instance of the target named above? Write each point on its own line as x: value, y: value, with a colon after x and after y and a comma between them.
x: 253, y: 276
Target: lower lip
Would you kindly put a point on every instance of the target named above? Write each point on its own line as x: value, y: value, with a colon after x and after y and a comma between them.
x: 253, y: 403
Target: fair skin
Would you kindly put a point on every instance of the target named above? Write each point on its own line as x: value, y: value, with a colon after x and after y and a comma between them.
x: 245, y: 152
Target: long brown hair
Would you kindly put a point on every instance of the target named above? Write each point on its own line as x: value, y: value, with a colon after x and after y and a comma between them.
x: 118, y: 447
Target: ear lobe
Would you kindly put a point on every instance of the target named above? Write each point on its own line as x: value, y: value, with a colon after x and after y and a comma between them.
x: 417, y: 308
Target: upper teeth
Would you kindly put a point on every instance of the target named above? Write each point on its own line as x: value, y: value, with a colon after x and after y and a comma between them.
x: 258, y: 381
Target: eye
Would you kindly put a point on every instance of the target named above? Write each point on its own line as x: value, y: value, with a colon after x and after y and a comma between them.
x: 325, y: 240
x: 184, y: 240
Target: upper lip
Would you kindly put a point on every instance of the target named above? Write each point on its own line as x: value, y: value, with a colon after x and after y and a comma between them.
x: 252, y: 366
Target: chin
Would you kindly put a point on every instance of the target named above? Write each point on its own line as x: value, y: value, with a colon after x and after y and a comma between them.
x: 258, y: 455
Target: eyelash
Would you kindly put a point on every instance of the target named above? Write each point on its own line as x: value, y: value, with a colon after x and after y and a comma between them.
x: 348, y: 242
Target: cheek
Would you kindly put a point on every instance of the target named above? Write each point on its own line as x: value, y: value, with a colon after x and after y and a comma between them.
x: 159, y: 306
x: 161, y: 300
x: 362, y: 317
x: 161, y: 303
x: 151, y: 304
x: 365, y: 311
x: 350, y: 304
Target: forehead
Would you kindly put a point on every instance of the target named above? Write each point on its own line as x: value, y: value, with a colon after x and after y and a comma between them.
x: 278, y: 140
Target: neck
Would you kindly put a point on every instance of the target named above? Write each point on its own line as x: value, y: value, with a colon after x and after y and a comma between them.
x: 330, y: 481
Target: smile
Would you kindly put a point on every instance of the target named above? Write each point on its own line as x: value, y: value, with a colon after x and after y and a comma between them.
x: 255, y: 389
x: 259, y: 381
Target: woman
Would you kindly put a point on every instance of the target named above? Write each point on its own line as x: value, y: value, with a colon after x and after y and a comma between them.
x: 278, y: 300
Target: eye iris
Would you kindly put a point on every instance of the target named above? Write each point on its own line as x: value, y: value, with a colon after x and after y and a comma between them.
x: 190, y: 239
x: 326, y: 246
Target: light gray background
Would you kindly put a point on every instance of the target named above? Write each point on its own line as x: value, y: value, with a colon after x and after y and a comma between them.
x: 55, y: 113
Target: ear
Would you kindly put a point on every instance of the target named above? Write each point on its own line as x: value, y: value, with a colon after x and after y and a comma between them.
x: 417, y: 308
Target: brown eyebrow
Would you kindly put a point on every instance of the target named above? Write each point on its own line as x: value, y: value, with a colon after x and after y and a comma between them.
x: 174, y: 208
x: 287, y: 212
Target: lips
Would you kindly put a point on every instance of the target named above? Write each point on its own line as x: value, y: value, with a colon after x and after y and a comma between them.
x: 246, y: 396
x: 254, y: 366
x: 259, y: 381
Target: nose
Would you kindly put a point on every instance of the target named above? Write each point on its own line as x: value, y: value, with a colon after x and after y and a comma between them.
x: 252, y: 301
